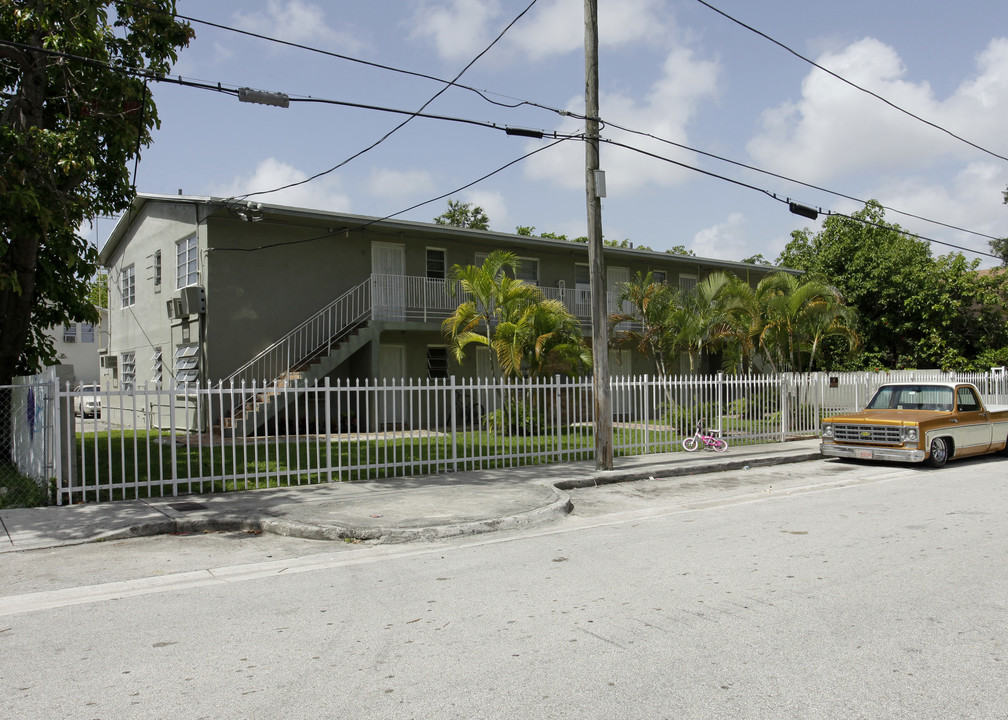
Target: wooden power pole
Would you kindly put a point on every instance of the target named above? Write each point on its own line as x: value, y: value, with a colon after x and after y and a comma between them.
x: 599, y: 304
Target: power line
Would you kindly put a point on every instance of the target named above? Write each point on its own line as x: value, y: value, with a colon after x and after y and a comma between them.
x: 404, y: 122
x: 361, y: 226
x: 779, y: 176
x: 380, y: 66
x: 774, y: 196
x: 849, y: 82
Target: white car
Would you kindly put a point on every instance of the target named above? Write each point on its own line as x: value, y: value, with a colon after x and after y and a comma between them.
x: 87, y: 403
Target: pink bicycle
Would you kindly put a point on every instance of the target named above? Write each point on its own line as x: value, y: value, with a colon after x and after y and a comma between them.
x: 706, y: 438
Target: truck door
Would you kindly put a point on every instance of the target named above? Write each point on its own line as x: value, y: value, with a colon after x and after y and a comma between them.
x: 973, y: 433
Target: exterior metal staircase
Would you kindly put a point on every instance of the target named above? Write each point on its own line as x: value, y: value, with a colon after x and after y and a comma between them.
x: 310, y: 351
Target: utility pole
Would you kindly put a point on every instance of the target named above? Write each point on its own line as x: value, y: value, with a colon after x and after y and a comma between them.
x: 599, y: 304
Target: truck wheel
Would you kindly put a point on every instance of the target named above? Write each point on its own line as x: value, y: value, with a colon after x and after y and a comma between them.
x: 939, y: 453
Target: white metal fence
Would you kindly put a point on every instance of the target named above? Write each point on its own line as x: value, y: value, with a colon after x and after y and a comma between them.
x: 171, y: 441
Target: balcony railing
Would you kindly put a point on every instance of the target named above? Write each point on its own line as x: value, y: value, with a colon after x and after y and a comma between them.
x: 388, y: 298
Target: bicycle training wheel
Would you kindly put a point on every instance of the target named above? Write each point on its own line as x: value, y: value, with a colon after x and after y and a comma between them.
x: 719, y: 445
x: 689, y: 444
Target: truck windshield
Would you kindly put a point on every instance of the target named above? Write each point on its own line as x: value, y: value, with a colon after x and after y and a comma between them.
x: 912, y: 397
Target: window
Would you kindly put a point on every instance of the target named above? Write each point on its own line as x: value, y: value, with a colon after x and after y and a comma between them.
x: 128, y: 370
x: 70, y: 333
x: 87, y: 333
x: 968, y: 401
x: 186, y: 365
x: 659, y: 276
x: 437, y: 362
x: 688, y: 283
x: 435, y: 264
x: 582, y: 276
x: 186, y: 266
x: 127, y: 285
x: 157, y: 369
x: 157, y: 269
x: 528, y: 270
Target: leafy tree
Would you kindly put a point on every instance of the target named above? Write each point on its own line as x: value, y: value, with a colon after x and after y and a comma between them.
x: 527, y: 334
x: 464, y: 215
x: 913, y: 310
x: 526, y: 230
x: 69, y: 128
x: 756, y: 259
x: 98, y: 290
x: 681, y: 250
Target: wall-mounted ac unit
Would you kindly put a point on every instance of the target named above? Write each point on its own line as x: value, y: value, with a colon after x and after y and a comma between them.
x: 175, y: 307
x: 109, y: 361
x: 193, y: 300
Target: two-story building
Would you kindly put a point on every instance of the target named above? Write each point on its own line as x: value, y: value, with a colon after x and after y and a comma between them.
x: 206, y: 290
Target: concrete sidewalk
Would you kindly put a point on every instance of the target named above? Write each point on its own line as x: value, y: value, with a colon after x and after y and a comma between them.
x: 392, y: 510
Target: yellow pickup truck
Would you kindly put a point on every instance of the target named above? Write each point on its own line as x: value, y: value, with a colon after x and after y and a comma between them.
x: 918, y: 422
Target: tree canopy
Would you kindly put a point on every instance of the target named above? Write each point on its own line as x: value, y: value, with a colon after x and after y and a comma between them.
x: 464, y: 215
x: 528, y: 334
x: 74, y: 112
x: 914, y: 310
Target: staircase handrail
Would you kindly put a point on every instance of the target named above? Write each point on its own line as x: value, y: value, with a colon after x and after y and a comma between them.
x: 341, y: 315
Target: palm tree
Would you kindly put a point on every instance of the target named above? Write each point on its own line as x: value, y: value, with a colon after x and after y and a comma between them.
x: 528, y: 334
x: 799, y: 314
x: 647, y: 325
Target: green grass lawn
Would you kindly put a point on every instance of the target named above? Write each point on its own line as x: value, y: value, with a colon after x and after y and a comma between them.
x: 150, y: 464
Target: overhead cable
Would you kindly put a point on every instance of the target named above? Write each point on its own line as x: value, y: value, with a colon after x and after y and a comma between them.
x: 400, y: 125
x: 854, y: 85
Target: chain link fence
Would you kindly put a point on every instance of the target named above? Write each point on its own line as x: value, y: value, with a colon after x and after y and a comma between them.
x: 22, y: 426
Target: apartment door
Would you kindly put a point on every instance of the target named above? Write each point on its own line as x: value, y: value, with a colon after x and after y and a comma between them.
x: 388, y: 265
x: 391, y: 370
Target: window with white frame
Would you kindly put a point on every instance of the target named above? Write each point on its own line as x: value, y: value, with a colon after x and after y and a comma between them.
x: 70, y: 333
x: 157, y: 269
x: 688, y: 284
x: 157, y: 366
x: 127, y: 285
x: 186, y: 262
x: 436, y: 264
x: 128, y: 373
x: 87, y: 333
x: 186, y: 365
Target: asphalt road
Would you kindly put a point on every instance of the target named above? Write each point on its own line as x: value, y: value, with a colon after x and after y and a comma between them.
x: 818, y: 590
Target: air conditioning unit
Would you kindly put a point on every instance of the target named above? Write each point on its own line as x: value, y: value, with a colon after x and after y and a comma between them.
x: 109, y: 361
x: 175, y: 307
x: 193, y: 300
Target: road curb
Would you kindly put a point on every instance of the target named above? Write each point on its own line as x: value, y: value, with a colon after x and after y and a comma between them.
x: 609, y: 477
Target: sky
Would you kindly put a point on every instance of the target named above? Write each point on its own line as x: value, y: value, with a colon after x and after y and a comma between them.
x: 672, y: 69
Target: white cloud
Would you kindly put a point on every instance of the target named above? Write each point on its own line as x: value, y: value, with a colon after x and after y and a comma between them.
x: 399, y: 184
x: 725, y: 241
x: 494, y: 205
x: 461, y: 28
x: 971, y: 200
x: 323, y: 193
x: 558, y: 27
x: 835, y: 130
x: 668, y: 108
x: 295, y: 21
